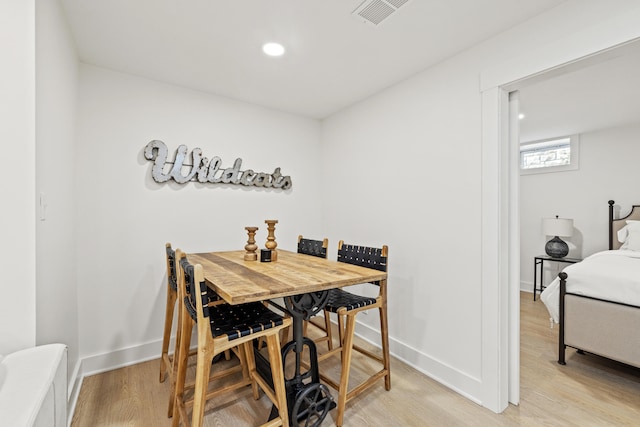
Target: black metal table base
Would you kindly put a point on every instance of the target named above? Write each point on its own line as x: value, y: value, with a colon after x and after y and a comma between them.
x: 308, y: 401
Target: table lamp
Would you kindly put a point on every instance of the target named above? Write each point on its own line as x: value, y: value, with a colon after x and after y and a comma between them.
x: 556, y: 227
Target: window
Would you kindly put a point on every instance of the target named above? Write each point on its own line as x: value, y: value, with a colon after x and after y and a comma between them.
x: 549, y: 155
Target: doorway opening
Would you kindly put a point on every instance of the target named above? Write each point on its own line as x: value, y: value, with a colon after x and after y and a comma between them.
x: 563, y: 104
x: 500, y: 199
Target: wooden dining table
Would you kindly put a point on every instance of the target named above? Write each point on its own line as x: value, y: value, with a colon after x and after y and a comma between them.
x: 238, y: 281
x: 304, y: 282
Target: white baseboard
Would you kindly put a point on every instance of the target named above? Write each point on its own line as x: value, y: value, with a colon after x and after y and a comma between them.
x: 526, y: 287
x: 99, y: 363
x: 458, y: 381
x: 75, y: 383
x: 96, y: 364
x: 461, y: 382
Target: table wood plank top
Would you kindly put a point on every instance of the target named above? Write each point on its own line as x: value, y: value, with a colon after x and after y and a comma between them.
x: 239, y: 281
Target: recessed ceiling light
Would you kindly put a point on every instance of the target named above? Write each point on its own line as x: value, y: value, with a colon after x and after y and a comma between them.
x: 273, y: 49
x: 521, y: 116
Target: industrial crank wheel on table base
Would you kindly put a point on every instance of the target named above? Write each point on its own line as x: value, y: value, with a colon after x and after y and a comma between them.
x: 308, y: 400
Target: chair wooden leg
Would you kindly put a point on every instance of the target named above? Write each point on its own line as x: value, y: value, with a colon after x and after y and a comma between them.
x: 203, y: 369
x: 250, y: 367
x: 277, y: 372
x: 340, y: 328
x: 327, y: 325
x: 166, y: 337
x: 341, y: 332
x: 181, y: 357
x: 384, y: 337
x: 180, y: 348
x: 347, y: 348
x: 241, y: 354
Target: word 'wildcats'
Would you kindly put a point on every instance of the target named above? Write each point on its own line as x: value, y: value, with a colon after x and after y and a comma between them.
x: 204, y: 170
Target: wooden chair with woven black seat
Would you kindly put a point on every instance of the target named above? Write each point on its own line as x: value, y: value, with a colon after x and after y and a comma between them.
x: 347, y: 305
x: 166, y: 360
x: 221, y: 326
x: 167, y: 365
x: 313, y: 247
x: 317, y: 248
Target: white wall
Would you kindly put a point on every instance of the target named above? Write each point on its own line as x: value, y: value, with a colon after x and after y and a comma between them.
x: 412, y: 154
x: 608, y: 171
x: 56, y: 94
x: 125, y: 218
x: 17, y: 175
x: 394, y: 153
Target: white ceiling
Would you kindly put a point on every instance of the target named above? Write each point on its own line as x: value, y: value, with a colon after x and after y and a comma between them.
x: 605, y: 93
x: 332, y: 59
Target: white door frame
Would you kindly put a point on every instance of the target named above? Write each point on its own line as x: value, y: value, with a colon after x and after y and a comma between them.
x: 513, y: 158
x: 500, y: 250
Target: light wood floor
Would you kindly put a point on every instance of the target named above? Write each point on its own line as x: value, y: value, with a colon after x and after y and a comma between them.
x: 588, y: 391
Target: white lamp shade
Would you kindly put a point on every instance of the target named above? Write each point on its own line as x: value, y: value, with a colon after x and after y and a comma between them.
x: 562, y: 227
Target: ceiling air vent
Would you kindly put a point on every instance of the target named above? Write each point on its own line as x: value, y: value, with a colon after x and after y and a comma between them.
x: 375, y: 12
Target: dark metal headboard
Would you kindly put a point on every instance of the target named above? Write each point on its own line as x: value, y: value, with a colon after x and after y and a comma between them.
x: 616, y: 225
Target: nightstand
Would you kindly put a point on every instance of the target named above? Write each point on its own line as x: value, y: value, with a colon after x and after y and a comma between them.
x: 539, y: 261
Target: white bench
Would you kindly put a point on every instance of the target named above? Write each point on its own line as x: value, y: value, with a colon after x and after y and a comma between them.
x: 33, y: 387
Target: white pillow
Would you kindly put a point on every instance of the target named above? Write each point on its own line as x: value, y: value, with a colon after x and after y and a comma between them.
x: 631, y: 236
x: 633, y: 240
x: 622, y: 233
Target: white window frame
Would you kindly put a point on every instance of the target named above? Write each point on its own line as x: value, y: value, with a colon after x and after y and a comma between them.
x: 574, y: 144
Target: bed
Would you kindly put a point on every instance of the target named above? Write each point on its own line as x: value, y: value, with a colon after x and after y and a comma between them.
x: 597, y: 302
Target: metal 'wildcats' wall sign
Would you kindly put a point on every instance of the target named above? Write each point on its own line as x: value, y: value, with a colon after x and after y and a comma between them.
x: 204, y: 170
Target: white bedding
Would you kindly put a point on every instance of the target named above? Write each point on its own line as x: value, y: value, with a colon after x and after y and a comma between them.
x: 609, y: 275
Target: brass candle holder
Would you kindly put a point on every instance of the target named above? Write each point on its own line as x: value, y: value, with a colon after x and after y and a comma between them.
x: 271, y: 238
x: 251, y: 246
